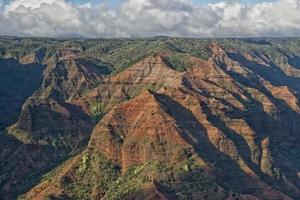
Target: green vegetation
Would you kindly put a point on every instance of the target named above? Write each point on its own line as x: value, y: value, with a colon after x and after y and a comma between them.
x: 179, y: 62
x: 95, y: 176
x: 191, y: 176
x: 91, y: 178
x: 84, y: 165
x: 133, y: 180
x: 98, y: 111
x: 115, y: 55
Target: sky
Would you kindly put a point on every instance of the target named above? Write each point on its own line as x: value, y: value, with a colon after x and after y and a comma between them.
x: 146, y: 18
x: 115, y: 2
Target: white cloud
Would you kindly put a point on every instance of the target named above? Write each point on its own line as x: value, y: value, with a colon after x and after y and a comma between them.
x: 33, y: 4
x: 57, y: 18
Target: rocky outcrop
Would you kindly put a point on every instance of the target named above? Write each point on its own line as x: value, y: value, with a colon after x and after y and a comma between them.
x: 70, y: 76
x: 220, y: 114
x: 51, y: 125
x: 151, y: 73
x: 49, y: 116
x: 36, y: 57
x: 140, y: 131
x: 225, y: 128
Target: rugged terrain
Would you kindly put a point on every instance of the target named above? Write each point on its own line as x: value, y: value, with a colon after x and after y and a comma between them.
x: 155, y: 118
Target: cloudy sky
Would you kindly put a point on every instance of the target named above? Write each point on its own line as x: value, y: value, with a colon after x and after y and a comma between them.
x: 144, y: 18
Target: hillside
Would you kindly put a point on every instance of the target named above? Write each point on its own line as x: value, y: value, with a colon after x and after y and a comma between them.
x: 155, y: 118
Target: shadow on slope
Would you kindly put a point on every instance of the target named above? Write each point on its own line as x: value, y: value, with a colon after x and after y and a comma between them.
x: 280, y: 128
x: 194, y: 133
x: 17, y: 82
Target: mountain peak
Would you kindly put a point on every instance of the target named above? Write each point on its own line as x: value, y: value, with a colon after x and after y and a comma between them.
x: 225, y: 127
x: 68, y: 52
x: 216, y: 49
x: 141, y: 120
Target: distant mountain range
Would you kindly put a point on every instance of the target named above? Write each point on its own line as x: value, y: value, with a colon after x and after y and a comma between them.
x: 155, y: 118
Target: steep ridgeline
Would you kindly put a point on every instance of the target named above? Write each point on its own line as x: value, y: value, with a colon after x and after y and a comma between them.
x: 36, y: 56
x: 51, y: 124
x: 17, y: 82
x: 151, y: 73
x: 227, y: 128
x: 49, y: 116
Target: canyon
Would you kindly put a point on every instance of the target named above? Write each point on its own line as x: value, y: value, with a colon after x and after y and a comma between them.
x: 154, y: 118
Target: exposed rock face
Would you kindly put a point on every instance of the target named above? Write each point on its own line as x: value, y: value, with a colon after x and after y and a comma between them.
x: 49, y: 116
x: 221, y: 113
x: 50, y: 124
x: 69, y: 76
x: 226, y: 128
x: 139, y: 131
x: 36, y: 57
x: 151, y: 73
